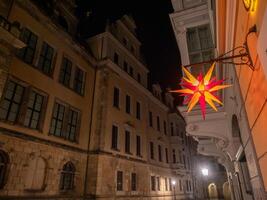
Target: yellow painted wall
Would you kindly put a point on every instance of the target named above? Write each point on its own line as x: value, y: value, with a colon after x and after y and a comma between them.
x: 253, y: 84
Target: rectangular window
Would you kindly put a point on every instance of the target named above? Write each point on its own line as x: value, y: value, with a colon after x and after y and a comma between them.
x: 172, y: 130
x: 138, y: 145
x: 119, y: 180
x: 166, y: 155
x: 180, y: 185
x: 151, y: 150
x: 46, y: 58
x: 153, y: 183
x: 116, y: 97
x: 133, y: 182
x: 158, y: 123
x: 11, y: 102
x: 34, y: 108
x: 165, y: 127
x: 158, y: 183
x: 30, y: 39
x: 138, y: 110
x: 125, y: 66
x: 170, y: 184
x: 116, y: 58
x: 166, y: 184
x: 173, y: 156
x: 159, y: 151
x: 114, y: 139
x: 124, y: 41
x: 72, y: 126
x: 150, y: 119
x: 131, y: 71
x: 65, y: 122
x: 57, y: 120
x: 65, y: 72
x: 139, y: 78
x: 128, y: 104
x: 79, y: 81
x: 200, y: 46
x: 127, y: 142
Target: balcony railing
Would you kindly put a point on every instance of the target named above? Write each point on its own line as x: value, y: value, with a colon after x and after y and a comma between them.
x: 10, y: 32
x: 13, y: 28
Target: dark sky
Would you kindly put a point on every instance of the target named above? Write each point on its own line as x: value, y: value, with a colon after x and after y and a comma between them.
x: 153, y: 28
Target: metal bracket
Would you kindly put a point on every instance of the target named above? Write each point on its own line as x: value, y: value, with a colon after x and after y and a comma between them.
x: 241, y: 53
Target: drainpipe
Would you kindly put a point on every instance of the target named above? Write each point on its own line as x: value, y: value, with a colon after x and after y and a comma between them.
x: 91, y: 121
x: 90, y: 132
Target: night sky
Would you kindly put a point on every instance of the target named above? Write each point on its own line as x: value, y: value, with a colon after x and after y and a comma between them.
x: 154, y: 30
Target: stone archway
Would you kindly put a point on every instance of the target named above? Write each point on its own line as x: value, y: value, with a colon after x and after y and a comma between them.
x: 212, y: 190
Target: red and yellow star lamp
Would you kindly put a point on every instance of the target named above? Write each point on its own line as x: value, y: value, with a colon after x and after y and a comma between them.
x: 200, y: 89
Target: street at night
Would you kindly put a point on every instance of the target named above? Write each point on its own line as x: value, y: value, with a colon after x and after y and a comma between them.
x: 133, y: 100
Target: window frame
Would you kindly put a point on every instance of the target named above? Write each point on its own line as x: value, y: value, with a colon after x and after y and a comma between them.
x: 116, y: 98
x: 42, y: 67
x: 76, y: 81
x: 128, y: 104
x: 119, y: 182
x: 67, y: 174
x: 115, y: 142
x: 65, y: 122
x: 22, y: 53
x: 66, y: 72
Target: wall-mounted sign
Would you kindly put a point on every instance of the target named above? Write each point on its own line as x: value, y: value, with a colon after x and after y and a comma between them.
x: 249, y: 4
x: 201, y: 89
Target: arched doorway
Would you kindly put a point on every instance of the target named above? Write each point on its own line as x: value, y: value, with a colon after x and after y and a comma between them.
x: 213, y: 193
x: 226, y: 191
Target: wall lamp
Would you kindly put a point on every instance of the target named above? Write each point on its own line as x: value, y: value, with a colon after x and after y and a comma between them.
x: 241, y: 52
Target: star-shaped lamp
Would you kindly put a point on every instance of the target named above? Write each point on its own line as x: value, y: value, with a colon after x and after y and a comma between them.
x: 200, y: 89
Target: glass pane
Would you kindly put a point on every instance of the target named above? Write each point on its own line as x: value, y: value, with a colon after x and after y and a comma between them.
x: 12, y: 116
x: 34, y: 124
x: 205, y: 37
x: 192, y: 40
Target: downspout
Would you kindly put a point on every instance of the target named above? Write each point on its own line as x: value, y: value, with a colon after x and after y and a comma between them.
x: 90, y: 132
x: 91, y: 122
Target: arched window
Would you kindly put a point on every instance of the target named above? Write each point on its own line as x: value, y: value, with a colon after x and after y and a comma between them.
x: 4, y: 160
x: 67, y: 177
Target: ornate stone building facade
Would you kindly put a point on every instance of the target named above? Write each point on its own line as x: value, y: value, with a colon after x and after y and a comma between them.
x: 77, y: 121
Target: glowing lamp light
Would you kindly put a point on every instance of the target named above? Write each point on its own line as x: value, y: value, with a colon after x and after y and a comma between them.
x: 200, y: 89
x: 173, y: 182
x: 249, y: 5
x: 205, y: 172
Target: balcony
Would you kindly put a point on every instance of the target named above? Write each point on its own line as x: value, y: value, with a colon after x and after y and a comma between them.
x: 10, y: 33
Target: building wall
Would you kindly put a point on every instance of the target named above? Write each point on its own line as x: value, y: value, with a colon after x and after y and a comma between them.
x: 38, y: 152
x: 112, y: 74
x: 36, y: 159
x: 253, y: 83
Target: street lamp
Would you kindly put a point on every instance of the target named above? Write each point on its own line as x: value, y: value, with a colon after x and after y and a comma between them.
x: 173, y: 184
x: 205, y: 171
